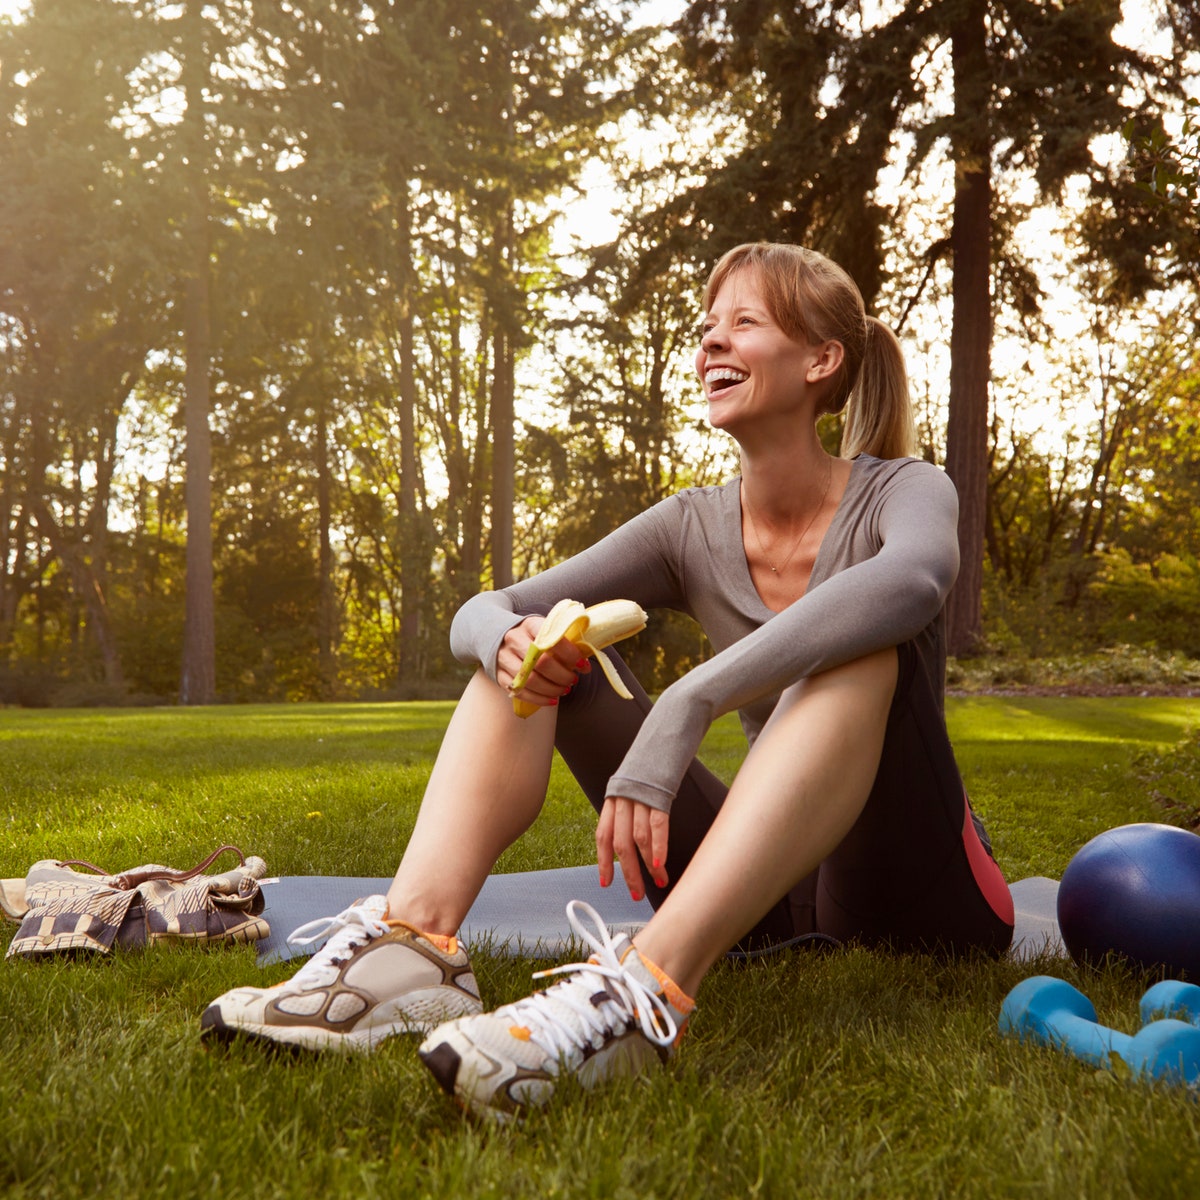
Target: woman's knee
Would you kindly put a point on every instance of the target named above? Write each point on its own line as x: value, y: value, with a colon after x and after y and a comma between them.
x: 873, y: 677
x: 833, y: 725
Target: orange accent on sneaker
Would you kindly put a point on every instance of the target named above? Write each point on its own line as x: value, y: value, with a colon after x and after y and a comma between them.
x: 678, y: 999
x: 520, y: 1032
x: 447, y: 943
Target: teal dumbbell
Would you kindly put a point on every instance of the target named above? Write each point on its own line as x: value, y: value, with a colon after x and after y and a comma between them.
x: 1171, y: 998
x: 1050, y: 1012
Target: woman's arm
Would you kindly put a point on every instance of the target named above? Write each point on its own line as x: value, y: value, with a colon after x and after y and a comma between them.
x: 634, y: 562
x: 882, y: 601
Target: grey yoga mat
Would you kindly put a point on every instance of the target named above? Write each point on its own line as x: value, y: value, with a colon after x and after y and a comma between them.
x: 524, y: 913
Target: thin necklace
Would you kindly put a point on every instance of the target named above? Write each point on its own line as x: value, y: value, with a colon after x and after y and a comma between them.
x: 796, y: 544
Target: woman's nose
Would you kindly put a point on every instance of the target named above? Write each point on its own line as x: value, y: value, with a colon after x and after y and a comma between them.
x: 713, y: 339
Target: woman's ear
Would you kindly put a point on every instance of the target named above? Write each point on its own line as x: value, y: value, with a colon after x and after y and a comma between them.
x: 831, y: 355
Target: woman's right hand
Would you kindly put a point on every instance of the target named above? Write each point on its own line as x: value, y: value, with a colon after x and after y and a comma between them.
x: 554, y: 674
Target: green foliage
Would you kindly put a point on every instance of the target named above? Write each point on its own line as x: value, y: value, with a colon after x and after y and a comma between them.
x: 1034, y: 621
x: 1091, y: 544
x: 379, y: 184
x: 1121, y: 669
x: 1172, y: 165
x: 1166, y: 169
x: 382, y: 184
x: 670, y: 646
x: 1172, y: 779
x: 1149, y: 604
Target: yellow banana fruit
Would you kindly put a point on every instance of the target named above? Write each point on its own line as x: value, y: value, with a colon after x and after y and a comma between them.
x: 591, y: 629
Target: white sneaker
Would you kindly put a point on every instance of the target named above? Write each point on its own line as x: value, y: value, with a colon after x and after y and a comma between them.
x: 373, y: 978
x: 612, y: 1017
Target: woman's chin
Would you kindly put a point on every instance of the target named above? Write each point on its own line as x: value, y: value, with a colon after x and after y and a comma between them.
x: 721, y: 416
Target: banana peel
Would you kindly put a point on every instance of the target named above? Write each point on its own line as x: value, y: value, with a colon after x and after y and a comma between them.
x: 589, y: 629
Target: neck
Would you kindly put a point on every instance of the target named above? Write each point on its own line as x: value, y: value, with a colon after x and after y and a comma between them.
x: 773, y: 533
x: 785, y: 481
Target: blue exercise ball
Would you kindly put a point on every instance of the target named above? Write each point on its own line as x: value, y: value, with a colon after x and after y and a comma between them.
x: 1134, y: 892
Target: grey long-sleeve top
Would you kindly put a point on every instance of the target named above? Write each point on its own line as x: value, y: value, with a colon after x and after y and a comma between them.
x: 881, y: 576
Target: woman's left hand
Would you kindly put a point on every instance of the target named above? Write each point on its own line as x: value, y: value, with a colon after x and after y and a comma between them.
x: 633, y: 833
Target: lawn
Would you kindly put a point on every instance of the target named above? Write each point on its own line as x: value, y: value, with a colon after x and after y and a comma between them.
x: 846, y: 1074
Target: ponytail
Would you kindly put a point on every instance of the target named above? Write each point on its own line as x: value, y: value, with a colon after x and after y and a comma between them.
x: 879, y: 418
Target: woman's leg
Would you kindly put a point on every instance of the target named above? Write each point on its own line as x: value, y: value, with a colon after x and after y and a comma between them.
x: 807, y: 795
x: 596, y: 727
x: 800, y: 789
x: 799, y: 792
x: 487, y: 786
x: 913, y: 873
x: 375, y: 978
x: 856, y: 772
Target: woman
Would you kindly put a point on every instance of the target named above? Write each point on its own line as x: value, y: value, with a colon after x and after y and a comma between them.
x: 820, y: 583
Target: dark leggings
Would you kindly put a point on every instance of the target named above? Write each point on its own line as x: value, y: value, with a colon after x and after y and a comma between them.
x: 911, y: 873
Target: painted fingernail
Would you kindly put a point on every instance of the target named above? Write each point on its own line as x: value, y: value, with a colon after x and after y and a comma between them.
x: 636, y: 896
x: 604, y: 882
x: 661, y: 882
x: 657, y: 863
x: 581, y: 664
x: 553, y: 703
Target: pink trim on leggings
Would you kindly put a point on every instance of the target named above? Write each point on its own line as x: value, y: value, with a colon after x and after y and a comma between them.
x: 983, y: 867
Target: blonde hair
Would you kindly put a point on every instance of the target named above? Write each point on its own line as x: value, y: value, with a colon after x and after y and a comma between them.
x: 814, y: 300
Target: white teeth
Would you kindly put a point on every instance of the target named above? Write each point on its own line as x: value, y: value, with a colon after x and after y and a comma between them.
x: 719, y: 373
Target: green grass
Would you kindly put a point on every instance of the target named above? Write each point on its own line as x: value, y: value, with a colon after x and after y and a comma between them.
x: 847, y: 1074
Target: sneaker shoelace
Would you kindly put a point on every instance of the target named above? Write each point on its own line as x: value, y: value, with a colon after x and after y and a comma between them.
x: 343, y: 934
x: 564, y: 1018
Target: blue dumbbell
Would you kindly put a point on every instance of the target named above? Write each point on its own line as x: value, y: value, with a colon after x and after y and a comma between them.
x: 1171, y: 998
x: 1050, y: 1012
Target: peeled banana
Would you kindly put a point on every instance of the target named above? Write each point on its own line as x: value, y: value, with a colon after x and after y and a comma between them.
x: 590, y: 629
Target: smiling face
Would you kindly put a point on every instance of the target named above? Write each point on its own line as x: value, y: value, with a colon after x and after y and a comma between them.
x: 750, y: 368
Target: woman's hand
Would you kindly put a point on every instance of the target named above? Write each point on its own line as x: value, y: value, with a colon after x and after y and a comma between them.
x: 630, y: 830
x: 556, y: 671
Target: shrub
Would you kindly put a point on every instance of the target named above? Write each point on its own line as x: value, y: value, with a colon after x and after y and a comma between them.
x: 1154, y: 604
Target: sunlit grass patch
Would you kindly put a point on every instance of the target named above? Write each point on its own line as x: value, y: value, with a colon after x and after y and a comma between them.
x: 845, y: 1074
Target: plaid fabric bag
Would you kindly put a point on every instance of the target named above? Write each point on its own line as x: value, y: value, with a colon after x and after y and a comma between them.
x: 68, y: 910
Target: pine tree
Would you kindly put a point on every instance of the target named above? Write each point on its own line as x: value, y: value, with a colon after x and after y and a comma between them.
x: 82, y: 292
x: 826, y: 97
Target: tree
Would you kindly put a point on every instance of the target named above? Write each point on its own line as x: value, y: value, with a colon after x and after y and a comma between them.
x: 1152, y: 212
x: 1031, y: 84
x: 81, y: 290
x: 198, y: 678
x: 427, y: 142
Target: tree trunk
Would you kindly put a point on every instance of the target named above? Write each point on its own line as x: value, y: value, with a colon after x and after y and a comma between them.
x: 326, y: 600
x: 86, y: 585
x: 971, y: 334
x: 412, y: 566
x: 503, y: 471
x: 14, y: 581
x: 504, y: 496
x: 470, y: 574
x: 197, y: 683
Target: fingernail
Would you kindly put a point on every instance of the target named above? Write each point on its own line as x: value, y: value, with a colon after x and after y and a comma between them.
x: 636, y: 896
x: 657, y: 863
x: 604, y: 882
x: 553, y: 703
x: 581, y: 664
x: 661, y: 882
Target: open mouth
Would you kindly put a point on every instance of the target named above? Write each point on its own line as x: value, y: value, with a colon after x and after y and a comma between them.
x: 720, y: 379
